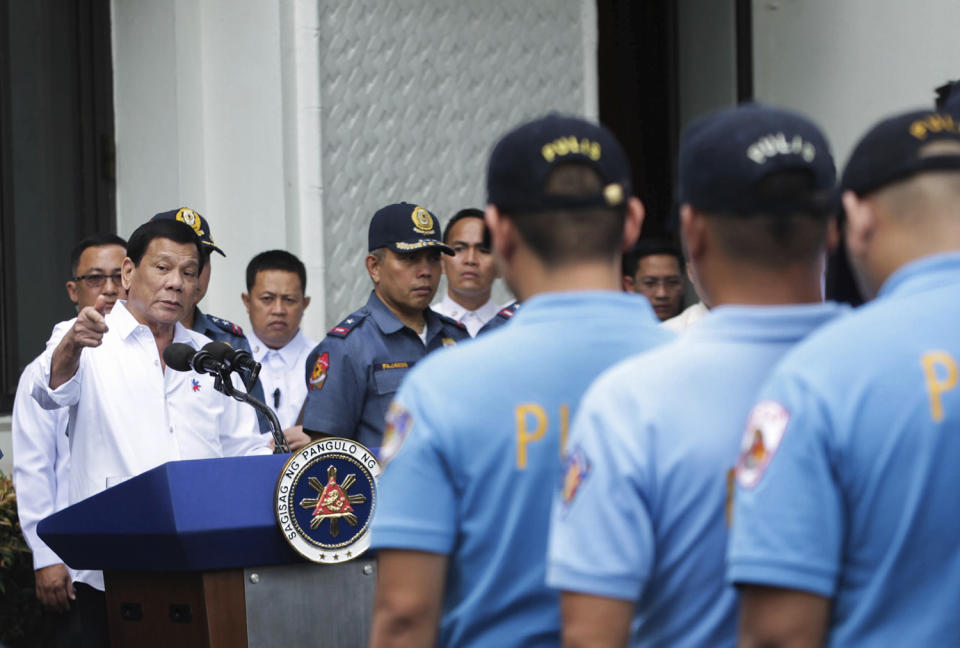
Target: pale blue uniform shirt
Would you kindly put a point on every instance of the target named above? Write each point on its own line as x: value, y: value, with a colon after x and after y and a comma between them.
x: 640, y: 513
x: 859, y: 499
x: 479, y: 431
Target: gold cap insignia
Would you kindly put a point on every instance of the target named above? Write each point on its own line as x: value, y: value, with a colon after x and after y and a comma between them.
x: 191, y: 218
x: 422, y: 221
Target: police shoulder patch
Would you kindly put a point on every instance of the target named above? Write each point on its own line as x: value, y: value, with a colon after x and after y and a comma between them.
x: 765, y: 428
x: 399, y: 421
x: 225, y: 325
x: 318, y: 375
x: 576, y: 469
x: 343, y: 329
x: 325, y: 499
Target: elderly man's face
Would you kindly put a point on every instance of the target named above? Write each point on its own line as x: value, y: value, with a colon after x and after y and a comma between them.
x: 164, y: 285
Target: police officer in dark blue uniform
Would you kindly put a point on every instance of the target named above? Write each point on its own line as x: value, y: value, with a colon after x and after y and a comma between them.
x: 215, y: 328
x: 354, y: 372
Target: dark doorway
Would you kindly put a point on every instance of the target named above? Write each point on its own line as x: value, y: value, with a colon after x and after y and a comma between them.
x: 639, y: 83
x: 56, y: 163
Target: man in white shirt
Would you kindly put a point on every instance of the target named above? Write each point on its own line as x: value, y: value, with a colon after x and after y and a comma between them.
x: 275, y: 301
x: 470, y: 272
x: 128, y: 413
x: 41, y: 452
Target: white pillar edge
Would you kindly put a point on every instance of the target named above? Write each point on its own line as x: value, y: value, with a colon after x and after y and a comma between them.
x: 591, y: 41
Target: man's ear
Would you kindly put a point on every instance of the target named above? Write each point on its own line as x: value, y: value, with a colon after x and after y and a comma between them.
x: 246, y: 301
x: 833, y: 235
x: 306, y: 302
x: 72, y: 292
x: 694, y: 233
x: 502, y: 232
x: 860, y: 224
x: 373, y: 268
x: 627, y: 284
x: 632, y: 224
x: 126, y: 272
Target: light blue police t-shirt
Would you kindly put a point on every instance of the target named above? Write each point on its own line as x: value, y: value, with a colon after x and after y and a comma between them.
x: 640, y: 515
x: 850, y: 467
x: 473, y: 447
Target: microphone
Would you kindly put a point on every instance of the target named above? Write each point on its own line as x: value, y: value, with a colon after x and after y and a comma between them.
x: 240, y: 359
x: 209, y: 359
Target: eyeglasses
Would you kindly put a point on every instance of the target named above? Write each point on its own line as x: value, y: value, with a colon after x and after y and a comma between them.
x: 670, y: 283
x: 97, y: 280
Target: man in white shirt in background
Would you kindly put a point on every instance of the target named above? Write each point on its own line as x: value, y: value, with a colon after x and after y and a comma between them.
x: 275, y: 300
x: 128, y: 411
x: 41, y: 451
x: 470, y: 273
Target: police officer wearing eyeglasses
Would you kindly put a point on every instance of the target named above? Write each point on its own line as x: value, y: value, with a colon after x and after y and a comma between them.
x: 354, y: 372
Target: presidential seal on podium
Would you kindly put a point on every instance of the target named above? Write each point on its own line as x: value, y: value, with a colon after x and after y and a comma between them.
x: 325, y: 498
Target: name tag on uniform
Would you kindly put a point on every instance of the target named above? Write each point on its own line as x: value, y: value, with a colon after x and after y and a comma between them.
x: 389, y: 375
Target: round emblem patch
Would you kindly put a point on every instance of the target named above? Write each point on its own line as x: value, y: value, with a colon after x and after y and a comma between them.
x: 422, y: 220
x: 765, y: 427
x: 399, y: 421
x: 325, y: 498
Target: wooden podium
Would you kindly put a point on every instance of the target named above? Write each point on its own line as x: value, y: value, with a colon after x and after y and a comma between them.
x: 192, y: 557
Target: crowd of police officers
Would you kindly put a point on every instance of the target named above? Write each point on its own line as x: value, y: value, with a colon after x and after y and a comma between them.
x: 778, y: 474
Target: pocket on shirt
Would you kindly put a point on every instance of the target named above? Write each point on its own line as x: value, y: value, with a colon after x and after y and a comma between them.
x: 388, y: 380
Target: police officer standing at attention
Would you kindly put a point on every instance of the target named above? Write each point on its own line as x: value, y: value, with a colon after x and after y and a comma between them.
x: 475, y: 434
x: 845, y: 526
x: 354, y: 372
x: 638, y: 535
x: 215, y: 328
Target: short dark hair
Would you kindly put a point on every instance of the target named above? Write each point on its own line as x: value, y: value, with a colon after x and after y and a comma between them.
x: 774, y: 240
x: 162, y: 228
x: 572, y: 235
x: 469, y: 212
x: 648, y: 247
x: 96, y: 239
x: 276, y: 260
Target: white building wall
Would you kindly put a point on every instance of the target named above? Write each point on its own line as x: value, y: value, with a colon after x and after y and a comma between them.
x: 287, y: 124
x: 847, y: 64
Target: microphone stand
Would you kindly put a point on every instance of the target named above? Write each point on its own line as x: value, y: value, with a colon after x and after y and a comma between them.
x: 224, y: 385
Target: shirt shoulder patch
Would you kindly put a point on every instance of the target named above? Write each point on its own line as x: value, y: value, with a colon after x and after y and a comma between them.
x: 765, y: 428
x: 344, y: 328
x: 225, y: 325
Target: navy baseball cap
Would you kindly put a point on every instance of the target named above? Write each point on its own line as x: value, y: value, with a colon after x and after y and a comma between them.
x: 192, y: 218
x: 522, y: 160
x: 725, y: 154
x: 405, y: 227
x: 893, y: 150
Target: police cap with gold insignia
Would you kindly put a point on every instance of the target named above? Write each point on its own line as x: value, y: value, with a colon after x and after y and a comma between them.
x: 725, y: 155
x: 902, y: 146
x: 521, y: 163
x: 405, y: 228
x: 199, y: 224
